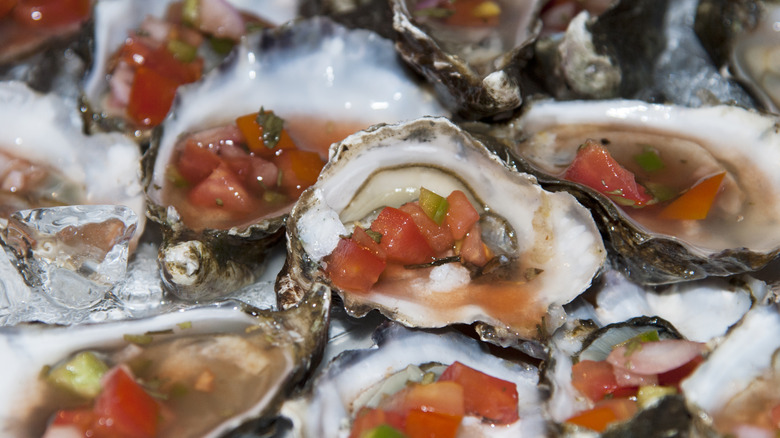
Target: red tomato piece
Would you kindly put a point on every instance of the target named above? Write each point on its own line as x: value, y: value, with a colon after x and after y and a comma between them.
x: 222, y: 189
x: 83, y: 419
x: 353, y: 267
x: 401, y: 239
x: 125, y: 408
x: 368, y: 419
x: 486, y: 396
x: 675, y: 376
x: 441, y: 397
x: 151, y: 97
x: 439, y: 237
x: 461, y: 215
x: 774, y: 415
x: 425, y: 424
x: 593, y: 379
x: 50, y: 13
x: 594, y: 167
x: 6, y: 6
x: 195, y: 163
x: 473, y: 250
x: 363, y: 239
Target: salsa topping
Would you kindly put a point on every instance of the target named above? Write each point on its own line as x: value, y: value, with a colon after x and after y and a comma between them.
x: 467, y: 13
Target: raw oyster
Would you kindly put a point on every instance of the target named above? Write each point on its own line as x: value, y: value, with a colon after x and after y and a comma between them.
x: 546, y: 244
x: 741, y: 231
x: 264, y: 354
x: 742, y: 39
x: 361, y: 378
x: 474, y: 66
x: 344, y: 81
x: 48, y: 161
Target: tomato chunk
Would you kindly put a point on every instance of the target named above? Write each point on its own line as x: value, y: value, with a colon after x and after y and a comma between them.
x: 6, y: 6
x: 361, y: 237
x: 368, y: 419
x: 473, y: 250
x: 594, y: 379
x: 49, y: 13
x: 401, y: 239
x: 300, y: 169
x: 594, y: 167
x: 442, y: 397
x: 125, y: 408
x: 353, y: 267
x: 695, y: 204
x: 486, y: 396
x: 151, y: 97
x: 461, y: 215
x: 439, y: 237
x: 196, y: 163
x: 222, y: 189
x: 426, y: 424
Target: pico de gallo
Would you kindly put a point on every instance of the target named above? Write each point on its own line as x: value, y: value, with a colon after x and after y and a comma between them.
x: 435, y: 407
x: 157, y: 387
x: 595, y: 167
x: 164, y: 53
x: 228, y: 175
x: 636, y: 374
x: 466, y: 13
x: 431, y: 230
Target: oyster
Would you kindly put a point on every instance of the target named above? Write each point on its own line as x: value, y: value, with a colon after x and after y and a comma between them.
x: 352, y: 80
x: 358, y: 379
x: 547, y: 247
x: 48, y: 161
x: 250, y: 358
x: 654, y: 245
x: 742, y: 40
x: 474, y: 60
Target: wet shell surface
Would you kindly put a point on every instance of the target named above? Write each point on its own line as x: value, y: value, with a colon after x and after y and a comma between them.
x: 552, y: 248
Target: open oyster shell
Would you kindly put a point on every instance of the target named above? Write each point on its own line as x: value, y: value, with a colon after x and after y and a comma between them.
x: 343, y: 80
x: 48, y: 161
x: 475, y: 69
x: 552, y: 247
x: 741, y: 232
x: 272, y: 350
x: 354, y: 379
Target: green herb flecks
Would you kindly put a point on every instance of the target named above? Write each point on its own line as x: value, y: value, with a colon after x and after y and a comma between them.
x: 374, y: 235
x: 661, y: 192
x: 190, y: 12
x: 182, y: 51
x: 272, y: 127
x: 221, y: 46
x: 185, y: 325
x: 219, y: 202
x: 649, y: 160
x: 138, y: 339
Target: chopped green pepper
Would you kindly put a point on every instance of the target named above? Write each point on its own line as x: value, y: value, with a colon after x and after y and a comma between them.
x: 190, y: 12
x: 182, y: 51
x: 648, y: 395
x: 222, y: 46
x: 649, y: 160
x: 384, y: 431
x: 80, y: 375
x: 434, y: 206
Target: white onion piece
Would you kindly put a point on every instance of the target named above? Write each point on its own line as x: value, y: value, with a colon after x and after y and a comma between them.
x: 221, y: 19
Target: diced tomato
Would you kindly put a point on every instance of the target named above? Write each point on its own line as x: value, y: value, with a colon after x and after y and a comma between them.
x: 401, y: 239
x: 253, y: 133
x: 486, y: 396
x: 257, y: 174
x: 695, y: 204
x: 83, y: 419
x: 6, y: 6
x: 49, y: 13
x: 222, y: 189
x: 774, y: 415
x: 362, y: 238
x: 442, y: 397
x: 151, y: 97
x: 368, y: 419
x: 219, y: 138
x: 675, y: 376
x: 439, y: 237
x: 353, y: 267
x: 300, y: 169
x: 426, y: 424
x: 473, y: 250
x: 594, y: 167
x: 138, y: 54
x: 195, y: 163
x: 605, y: 413
x: 125, y: 408
x: 593, y: 379
x: 461, y: 216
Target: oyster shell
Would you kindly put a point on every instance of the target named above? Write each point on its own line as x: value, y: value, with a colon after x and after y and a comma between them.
x: 551, y: 249
x: 340, y: 70
x: 475, y: 69
x: 740, y: 233
x: 270, y: 351
x: 357, y: 378
x: 48, y: 161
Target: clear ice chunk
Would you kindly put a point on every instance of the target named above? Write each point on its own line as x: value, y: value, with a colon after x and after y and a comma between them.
x: 74, y: 255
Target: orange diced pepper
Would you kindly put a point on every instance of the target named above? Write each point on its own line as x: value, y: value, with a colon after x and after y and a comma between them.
x: 695, y: 204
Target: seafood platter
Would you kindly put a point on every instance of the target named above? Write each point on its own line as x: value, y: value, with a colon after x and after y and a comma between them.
x: 389, y: 218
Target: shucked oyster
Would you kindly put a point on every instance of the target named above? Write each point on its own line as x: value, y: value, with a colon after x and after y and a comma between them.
x: 211, y: 370
x: 682, y: 223
x: 324, y: 82
x: 545, y: 248
x: 471, y: 51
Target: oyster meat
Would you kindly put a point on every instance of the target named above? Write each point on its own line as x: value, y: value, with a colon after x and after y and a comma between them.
x: 546, y: 245
x: 655, y: 245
